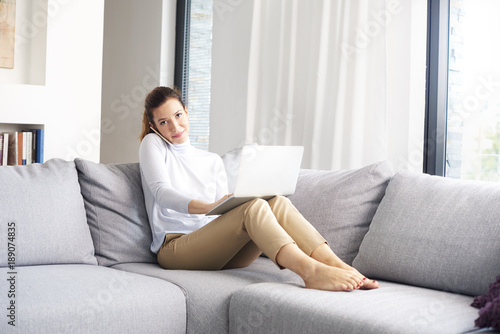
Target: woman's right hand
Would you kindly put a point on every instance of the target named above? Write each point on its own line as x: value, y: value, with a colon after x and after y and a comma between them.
x: 199, y: 207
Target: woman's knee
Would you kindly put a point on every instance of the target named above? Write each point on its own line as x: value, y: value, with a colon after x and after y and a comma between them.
x: 282, y: 199
x: 279, y: 201
x: 258, y: 204
x: 258, y: 209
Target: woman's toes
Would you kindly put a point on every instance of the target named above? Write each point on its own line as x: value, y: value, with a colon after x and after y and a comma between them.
x: 370, y: 284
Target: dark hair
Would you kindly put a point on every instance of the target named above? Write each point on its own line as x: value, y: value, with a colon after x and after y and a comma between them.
x: 155, y: 99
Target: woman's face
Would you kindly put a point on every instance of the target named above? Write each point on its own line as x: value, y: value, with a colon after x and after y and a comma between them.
x: 172, y: 121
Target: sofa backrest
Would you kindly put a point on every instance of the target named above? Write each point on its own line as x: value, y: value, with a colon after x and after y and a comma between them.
x: 42, y: 216
x: 116, y: 212
x: 341, y: 204
x: 435, y: 232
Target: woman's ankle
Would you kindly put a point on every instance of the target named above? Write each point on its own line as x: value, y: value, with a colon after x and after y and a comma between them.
x: 291, y: 257
x: 324, y: 254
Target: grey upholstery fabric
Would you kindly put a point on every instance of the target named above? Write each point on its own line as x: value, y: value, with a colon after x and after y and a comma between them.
x: 393, y: 308
x: 44, y: 203
x: 93, y: 299
x: 115, y: 211
x: 435, y: 232
x: 208, y: 292
x: 341, y: 204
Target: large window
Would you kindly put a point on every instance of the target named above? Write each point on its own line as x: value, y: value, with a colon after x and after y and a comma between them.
x: 193, y: 65
x: 463, y: 90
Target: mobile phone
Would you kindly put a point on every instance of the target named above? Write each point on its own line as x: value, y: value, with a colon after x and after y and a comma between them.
x: 161, y: 136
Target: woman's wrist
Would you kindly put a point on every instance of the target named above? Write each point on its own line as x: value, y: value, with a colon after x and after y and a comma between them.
x: 196, y: 207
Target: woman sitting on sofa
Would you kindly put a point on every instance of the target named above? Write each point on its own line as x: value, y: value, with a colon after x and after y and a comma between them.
x: 182, y: 183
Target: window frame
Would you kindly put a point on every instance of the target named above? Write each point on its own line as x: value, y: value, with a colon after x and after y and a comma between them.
x: 182, y: 33
x: 436, y: 96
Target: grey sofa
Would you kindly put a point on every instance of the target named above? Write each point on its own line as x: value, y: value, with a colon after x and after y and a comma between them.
x: 75, y: 256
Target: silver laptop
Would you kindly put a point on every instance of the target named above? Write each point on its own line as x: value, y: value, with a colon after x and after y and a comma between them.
x: 264, y: 172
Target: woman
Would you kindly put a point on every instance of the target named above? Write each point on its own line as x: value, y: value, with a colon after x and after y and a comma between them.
x: 182, y: 183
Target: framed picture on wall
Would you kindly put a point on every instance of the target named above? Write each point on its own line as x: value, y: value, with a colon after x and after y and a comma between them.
x: 7, y: 32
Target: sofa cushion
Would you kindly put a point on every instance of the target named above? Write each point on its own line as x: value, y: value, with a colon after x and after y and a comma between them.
x: 93, y: 299
x: 394, y: 308
x: 208, y: 292
x: 341, y: 204
x: 115, y: 211
x: 42, y: 213
x: 435, y: 232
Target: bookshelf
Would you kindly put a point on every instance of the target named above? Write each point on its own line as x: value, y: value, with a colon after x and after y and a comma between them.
x: 21, y: 144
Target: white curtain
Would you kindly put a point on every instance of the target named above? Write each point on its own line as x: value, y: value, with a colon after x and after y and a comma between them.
x: 323, y: 74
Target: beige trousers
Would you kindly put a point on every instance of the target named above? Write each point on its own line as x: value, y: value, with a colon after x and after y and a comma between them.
x: 236, y: 238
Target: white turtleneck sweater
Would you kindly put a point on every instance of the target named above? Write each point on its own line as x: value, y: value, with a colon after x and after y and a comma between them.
x: 172, y: 176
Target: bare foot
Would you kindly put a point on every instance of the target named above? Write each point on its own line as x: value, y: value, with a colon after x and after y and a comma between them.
x: 317, y: 274
x: 325, y: 255
x: 367, y: 283
x: 324, y: 277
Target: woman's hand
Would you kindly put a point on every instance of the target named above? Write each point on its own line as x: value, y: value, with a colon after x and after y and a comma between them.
x: 199, y: 207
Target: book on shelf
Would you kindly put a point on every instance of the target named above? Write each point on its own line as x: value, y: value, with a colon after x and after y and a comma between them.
x: 22, y: 147
x: 12, y: 149
x: 1, y: 149
x: 38, y: 139
x: 5, y: 148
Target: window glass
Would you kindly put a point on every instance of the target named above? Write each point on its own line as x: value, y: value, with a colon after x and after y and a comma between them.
x: 473, y: 121
x: 199, y: 74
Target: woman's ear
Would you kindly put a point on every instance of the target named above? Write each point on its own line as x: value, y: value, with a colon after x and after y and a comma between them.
x: 152, y: 125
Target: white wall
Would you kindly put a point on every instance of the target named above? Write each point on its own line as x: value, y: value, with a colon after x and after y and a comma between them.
x: 68, y: 102
x: 139, y: 54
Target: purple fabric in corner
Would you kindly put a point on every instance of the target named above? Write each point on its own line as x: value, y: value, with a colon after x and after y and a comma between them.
x: 489, y: 305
